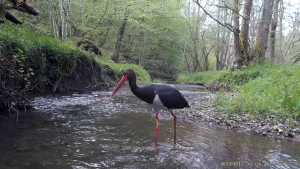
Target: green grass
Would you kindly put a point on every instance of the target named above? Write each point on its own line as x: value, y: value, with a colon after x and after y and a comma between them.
x: 141, y: 73
x: 39, y: 46
x: 245, y: 74
x: 263, y: 89
x: 157, y: 81
x: 200, y: 77
x: 34, y: 44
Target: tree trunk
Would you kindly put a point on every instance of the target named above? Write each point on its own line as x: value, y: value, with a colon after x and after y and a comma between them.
x: 218, y: 54
x: 226, y: 41
x: 69, y: 17
x: 62, y: 18
x: 195, y: 49
x: 120, y: 38
x: 196, y: 40
x: 281, y: 31
x: 141, y: 57
x: 244, y: 39
x: 104, y: 37
x: 273, y: 30
x: 225, y: 60
x: 52, y: 19
x: 205, y: 53
x: 236, y: 35
x: 82, y: 12
x: 252, y: 30
x: 263, y: 33
x: 184, y: 54
x: 194, y: 37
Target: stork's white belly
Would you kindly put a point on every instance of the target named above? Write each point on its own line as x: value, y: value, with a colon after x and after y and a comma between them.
x: 157, y: 104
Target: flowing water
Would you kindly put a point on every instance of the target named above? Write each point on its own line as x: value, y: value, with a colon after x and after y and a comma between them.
x: 93, y: 131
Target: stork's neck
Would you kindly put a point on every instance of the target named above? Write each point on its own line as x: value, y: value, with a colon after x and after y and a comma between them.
x: 134, y: 88
x: 144, y: 93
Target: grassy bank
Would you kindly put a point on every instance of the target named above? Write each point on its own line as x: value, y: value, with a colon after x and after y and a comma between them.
x: 262, y: 89
x: 31, y: 62
x: 141, y: 73
x: 44, y: 48
x: 265, y: 89
x: 49, y: 62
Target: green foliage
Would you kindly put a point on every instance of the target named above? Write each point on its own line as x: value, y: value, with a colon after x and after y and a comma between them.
x: 242, y: 76
x: 263, y: 89
x: 34, y: 44
x: 200, y: 77
x: 154, y: 29
x: 157, y: 81
x: 141, y: 73
x: 43, y: 58
x: 51, y: 60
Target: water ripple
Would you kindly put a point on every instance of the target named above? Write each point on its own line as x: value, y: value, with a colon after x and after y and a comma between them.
x: 93, y: 131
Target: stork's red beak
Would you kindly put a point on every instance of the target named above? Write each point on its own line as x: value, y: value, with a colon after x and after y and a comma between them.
x: 122, y: 81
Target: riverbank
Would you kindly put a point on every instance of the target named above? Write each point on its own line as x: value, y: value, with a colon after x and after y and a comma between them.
x: 35, y: 64
x: 203, y: 112
x: 262, y: 98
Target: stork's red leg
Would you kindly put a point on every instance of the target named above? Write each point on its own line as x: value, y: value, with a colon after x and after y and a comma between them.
x: 157, y: 128
x: 175, y: 119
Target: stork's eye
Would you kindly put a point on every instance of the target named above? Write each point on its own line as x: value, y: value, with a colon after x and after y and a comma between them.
x: 127, y: 73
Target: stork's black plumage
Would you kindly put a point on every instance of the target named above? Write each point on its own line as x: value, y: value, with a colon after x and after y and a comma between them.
x: 158, y: 96
x: 170, y: 97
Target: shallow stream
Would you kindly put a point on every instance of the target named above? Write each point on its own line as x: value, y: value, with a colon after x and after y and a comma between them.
x: 93, y: 131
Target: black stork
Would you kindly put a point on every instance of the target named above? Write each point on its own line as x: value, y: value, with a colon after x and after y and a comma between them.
x: 160, y: 97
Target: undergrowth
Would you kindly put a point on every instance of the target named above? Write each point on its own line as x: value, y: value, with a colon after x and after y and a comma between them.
x: 41, y: 47
x: 33, y: 62
x: 50, y: 60
x: 158, y: 81
x: 141, y: 73
x: 263, y: 89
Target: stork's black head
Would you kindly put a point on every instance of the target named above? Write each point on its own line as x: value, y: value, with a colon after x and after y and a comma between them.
x: 129, y: 73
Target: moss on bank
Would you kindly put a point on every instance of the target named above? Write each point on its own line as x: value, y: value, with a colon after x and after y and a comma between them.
x: 42, y: 64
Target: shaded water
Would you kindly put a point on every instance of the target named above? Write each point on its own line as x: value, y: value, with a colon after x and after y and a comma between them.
x: 92, y: 131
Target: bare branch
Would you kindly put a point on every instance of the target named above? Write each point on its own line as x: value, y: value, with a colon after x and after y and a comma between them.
x: 102, y: 19
x: 229, y: 27
x: 87, y: 15
x: 69, y: 20
x: 228, y: 7
x: 296, y: 57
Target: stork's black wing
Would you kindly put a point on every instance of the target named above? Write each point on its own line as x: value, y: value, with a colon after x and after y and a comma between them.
x: 172, y: 98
